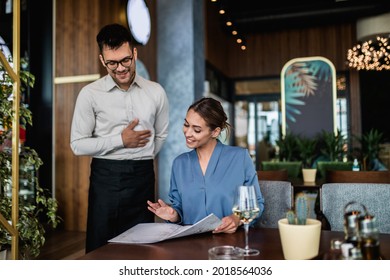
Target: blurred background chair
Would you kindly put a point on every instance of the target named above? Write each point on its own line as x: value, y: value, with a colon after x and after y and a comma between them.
x: 273, y: 175
x: 376, y: 198
x: 338, y: 176
x: 278, y: 198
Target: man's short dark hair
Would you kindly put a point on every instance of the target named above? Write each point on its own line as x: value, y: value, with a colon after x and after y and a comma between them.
x: 113, y: 36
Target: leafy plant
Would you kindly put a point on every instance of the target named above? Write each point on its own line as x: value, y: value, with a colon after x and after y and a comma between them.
x: 307, y: 150
x: 40, y: 212
x: 288, y: 149
x: 332, y: 145
x: 370, y: 143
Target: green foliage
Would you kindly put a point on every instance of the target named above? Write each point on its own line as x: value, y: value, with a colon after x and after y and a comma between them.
x: 307, y: 150
x: 40, y: 212
x: 298, y: 217
x: 6, y: 96
x: 288, y: 148
x: 30, y: 226
x: 370, y: 144
x: 333, y: 145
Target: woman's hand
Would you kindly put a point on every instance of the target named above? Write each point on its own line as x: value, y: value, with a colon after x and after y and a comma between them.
x: 164, y: 211
x: 229, y: 224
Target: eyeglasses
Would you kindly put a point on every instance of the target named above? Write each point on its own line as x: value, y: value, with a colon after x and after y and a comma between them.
x: 113, y: 64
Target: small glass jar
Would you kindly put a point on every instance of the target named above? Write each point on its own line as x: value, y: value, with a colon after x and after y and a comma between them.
x: 369, y: 235
x: 335, y: 250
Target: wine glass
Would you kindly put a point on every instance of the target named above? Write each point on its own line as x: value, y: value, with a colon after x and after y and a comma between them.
x: 247, y: 208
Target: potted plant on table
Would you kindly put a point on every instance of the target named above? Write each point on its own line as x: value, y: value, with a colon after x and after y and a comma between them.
x: 299, y: 235
x: 38, y: 210
x: 307, y: 152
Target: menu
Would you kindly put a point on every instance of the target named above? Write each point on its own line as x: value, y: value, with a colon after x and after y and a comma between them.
x: 155, y: 232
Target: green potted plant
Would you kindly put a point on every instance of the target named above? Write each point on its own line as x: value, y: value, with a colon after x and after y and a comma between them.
x: 332, y: 145
x: 299, y: 235
x: 38, y: 210
x: 288, y: 149
x: 333, y: 153
x: 371, y: 146
x: 307, y: 152
x: 288, y: 157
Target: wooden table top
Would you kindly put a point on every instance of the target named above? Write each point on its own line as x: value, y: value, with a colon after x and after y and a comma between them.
x: 195, y: 247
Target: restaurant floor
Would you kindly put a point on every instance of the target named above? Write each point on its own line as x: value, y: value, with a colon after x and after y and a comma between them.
x: 63, y: 245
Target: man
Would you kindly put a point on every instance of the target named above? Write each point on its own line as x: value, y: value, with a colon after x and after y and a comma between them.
x: 121, y: 120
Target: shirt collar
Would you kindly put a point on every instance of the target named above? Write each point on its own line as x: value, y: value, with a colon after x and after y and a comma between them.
x: 110, y: 83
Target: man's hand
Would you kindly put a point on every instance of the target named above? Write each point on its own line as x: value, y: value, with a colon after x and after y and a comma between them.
x: 135, y: 139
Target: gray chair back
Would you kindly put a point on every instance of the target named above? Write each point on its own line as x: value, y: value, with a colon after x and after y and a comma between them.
x: 376, y: 198
x: 278, y: 198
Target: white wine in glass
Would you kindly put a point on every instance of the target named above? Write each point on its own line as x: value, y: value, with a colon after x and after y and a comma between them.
x: 247, y: 209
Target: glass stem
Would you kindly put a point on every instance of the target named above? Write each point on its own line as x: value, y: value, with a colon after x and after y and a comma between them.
x: 246, y: 227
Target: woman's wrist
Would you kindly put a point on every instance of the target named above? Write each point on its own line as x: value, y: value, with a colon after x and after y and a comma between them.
x: 237, y: 220
x: 175, y: 217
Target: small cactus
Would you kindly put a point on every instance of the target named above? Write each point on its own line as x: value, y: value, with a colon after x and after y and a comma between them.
x: 290, y: 215
x: 301, y: 211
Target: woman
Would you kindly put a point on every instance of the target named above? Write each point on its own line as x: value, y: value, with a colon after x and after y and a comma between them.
x: 204, y: 180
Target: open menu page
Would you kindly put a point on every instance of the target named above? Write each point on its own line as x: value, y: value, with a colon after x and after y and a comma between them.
x: 155, y: 232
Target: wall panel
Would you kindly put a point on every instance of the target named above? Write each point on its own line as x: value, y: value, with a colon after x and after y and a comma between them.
x: 76, y: 53
x: 267, y: 53
x: 72, y: 172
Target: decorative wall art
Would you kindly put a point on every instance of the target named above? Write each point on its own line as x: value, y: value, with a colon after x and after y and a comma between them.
x: 308, y: 91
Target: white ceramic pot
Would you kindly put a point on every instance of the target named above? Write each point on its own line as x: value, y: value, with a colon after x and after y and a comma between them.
x: 300, y: 242
x: 309, y: 174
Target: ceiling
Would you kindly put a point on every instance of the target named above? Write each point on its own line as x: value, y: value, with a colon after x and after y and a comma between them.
x: 253, y: 16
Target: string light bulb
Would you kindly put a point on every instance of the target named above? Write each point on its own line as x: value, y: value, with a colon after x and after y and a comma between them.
x: 370, y: 55
x: 230, y: 25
